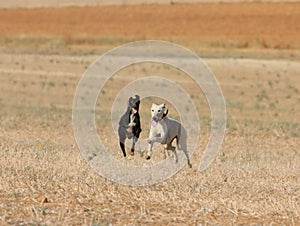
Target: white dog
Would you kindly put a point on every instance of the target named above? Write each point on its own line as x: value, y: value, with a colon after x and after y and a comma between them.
x: 164, y: 130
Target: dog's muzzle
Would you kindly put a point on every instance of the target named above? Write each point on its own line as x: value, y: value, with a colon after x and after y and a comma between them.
x: 133, y: 110
x: 154, y: 121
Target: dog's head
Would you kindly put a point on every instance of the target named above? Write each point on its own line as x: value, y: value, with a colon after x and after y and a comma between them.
x: 134, y: 104
x: 158, y: 112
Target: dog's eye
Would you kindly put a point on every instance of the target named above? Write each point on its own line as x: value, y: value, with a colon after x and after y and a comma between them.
x: 152, y: 110
x: 159, y: 111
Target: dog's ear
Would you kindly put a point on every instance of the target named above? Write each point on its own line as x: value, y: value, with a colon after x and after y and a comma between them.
x: 137, y: 97
x: 130, y: 100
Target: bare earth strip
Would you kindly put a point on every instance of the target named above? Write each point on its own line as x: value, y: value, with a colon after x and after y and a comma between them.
x: 240, y: 26
x: 62, y: 3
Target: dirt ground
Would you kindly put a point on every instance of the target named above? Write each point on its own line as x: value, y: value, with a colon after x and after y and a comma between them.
x: 255, y: 176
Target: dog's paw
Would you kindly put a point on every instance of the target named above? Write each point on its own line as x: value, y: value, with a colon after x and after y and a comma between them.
x: 190, y: 165
x: 132, y: 153
x: 148, y: 157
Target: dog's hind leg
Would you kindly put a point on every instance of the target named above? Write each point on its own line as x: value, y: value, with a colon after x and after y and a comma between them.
x: 187, y: 156
x: 169, y: 146
x: 181, y: 144
x: 166, y: 153
x: 175, y: 153
x: 122, y: 143
x: 134, y: 140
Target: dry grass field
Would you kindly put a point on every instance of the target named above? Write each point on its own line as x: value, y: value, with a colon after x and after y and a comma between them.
x: 252, y: 48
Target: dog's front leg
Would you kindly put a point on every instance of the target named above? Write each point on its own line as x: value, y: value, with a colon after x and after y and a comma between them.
x: 150, y: 145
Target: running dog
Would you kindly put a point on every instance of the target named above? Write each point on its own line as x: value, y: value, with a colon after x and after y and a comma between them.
x: 164, y: 130
x: 130, y: 125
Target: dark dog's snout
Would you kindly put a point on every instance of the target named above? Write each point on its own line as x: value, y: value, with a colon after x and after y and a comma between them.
x: 135, y: 107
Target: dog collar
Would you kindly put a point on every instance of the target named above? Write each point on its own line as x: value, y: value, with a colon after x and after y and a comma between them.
x: 165, y: 114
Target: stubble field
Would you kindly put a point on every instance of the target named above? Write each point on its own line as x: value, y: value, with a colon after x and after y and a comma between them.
x: 252, y: 48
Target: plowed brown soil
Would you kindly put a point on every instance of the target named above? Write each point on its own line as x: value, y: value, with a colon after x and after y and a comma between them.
x: 241, y: 25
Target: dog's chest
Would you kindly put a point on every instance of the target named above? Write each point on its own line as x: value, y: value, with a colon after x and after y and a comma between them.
x: 131, y: 118
x: 131, y: 123
x: 158, y: 129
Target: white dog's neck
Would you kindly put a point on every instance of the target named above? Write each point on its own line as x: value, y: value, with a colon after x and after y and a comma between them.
x: 161, y: 121
x: 163, y: 118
